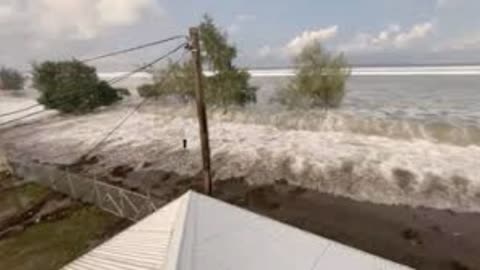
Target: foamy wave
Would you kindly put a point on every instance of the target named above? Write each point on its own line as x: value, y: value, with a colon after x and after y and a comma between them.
x: 363, y: 167
x: 109, y: 75
x: 383, y: 71
x: 356, y: 71
x: 338, y: 121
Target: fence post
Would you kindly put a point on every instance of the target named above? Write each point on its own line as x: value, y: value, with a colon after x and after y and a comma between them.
x: 72, y: 188
x: 96, y: 196
x: 202, y: 115
x: 53, y: 181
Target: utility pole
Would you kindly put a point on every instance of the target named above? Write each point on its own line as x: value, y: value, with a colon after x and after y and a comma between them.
x: 202, y: 115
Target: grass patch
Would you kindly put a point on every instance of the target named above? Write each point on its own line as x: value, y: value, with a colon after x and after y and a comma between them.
x: 51, y: 245
x: 21, y: 197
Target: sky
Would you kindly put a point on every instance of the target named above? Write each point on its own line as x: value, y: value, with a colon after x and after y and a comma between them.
x: 267, y: 33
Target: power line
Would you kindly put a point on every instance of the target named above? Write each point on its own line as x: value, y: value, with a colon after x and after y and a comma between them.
x: 120, y: 124
x: 66, y: 96
x: 112, y: 81
x: 114, y: 129
x: 22, y: 117
x: 139, y: 47
x: 30, y: 114
x: 126, y: 76
x: 146, y: 66
x: 19, y: 111
x: 123, y: 121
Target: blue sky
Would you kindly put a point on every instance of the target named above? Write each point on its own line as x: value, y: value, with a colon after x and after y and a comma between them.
x: 267, y: 33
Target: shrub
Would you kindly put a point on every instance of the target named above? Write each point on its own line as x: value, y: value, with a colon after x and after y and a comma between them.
x: 72, y: 87
x: 177, y: 79
x: 148, y: 90
x: 124, y: 92
x: 228, y: 85
x: 11, y: 79
x: 319, y: 81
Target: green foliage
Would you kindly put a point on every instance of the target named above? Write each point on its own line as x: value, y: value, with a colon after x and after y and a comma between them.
x: 148, y: 90
x: 228, y: 85
x: 124, y: 92
x: 320, y: 79
x: 11, y: 79
x: 38, y: 246
x: 72, y: 87
x: 177, y: 79
x: 217, y: 53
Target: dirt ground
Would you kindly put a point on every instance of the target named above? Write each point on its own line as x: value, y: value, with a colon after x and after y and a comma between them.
x: 422, y: 238
x: 419, y: 237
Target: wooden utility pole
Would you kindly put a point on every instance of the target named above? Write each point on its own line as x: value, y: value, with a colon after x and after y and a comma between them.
x: 202, y: 115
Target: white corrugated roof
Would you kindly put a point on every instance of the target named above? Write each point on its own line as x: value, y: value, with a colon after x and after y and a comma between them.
x: 145, y: 245
x: 196, y: 232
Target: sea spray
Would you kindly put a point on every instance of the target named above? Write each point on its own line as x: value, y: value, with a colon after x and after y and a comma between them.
x: 381, y: 169
x: 392, y: 160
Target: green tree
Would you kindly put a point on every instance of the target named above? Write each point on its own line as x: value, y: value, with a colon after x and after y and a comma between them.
x: 228, y: 85
x: 176, y: 79
x: 72, y: 87
x: 11, y: 79
x: 319, y: 81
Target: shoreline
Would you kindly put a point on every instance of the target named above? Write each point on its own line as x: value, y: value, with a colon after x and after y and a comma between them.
x: 419, y: 237
x: 261, y: 167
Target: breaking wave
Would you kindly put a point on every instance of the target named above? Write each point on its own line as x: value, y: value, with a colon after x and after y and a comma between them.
x: 406, y: 168
x: 383, y: 71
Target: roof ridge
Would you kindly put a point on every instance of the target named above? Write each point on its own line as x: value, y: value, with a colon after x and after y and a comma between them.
x: 177, y: 238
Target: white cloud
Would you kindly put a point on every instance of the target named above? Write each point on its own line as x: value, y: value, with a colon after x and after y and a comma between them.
x: 245, y: 17
x: 6, y: 11
x: 265, y: 51
x: 121, y: 12
x: 233, y: 28
x: 417, y: 32
x: 391, y: 38
x: 470, y: 41
x: 239, y: 21
x: 307, y: 37
x: 75, y: 19
x: 445, y: 3
x: 295, y: 45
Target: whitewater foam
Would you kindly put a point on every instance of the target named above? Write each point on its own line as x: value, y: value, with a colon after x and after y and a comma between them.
x: 383, y: 71
x: 356, y: 71
x: 363, y: 167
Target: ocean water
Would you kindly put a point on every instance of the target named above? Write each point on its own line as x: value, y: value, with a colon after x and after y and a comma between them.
x: 439, y: 108
x: 402, y: 136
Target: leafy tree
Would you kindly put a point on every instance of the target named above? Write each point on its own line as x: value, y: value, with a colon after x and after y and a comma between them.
x: 228, y: 85
x: 319, y: 81
x: 176, y: 79
x: 72, y: 87
x: 11, y: 79
x: 148, y: 90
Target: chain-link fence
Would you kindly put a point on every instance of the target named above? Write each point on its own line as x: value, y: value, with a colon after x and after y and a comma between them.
x: 113, y: 199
